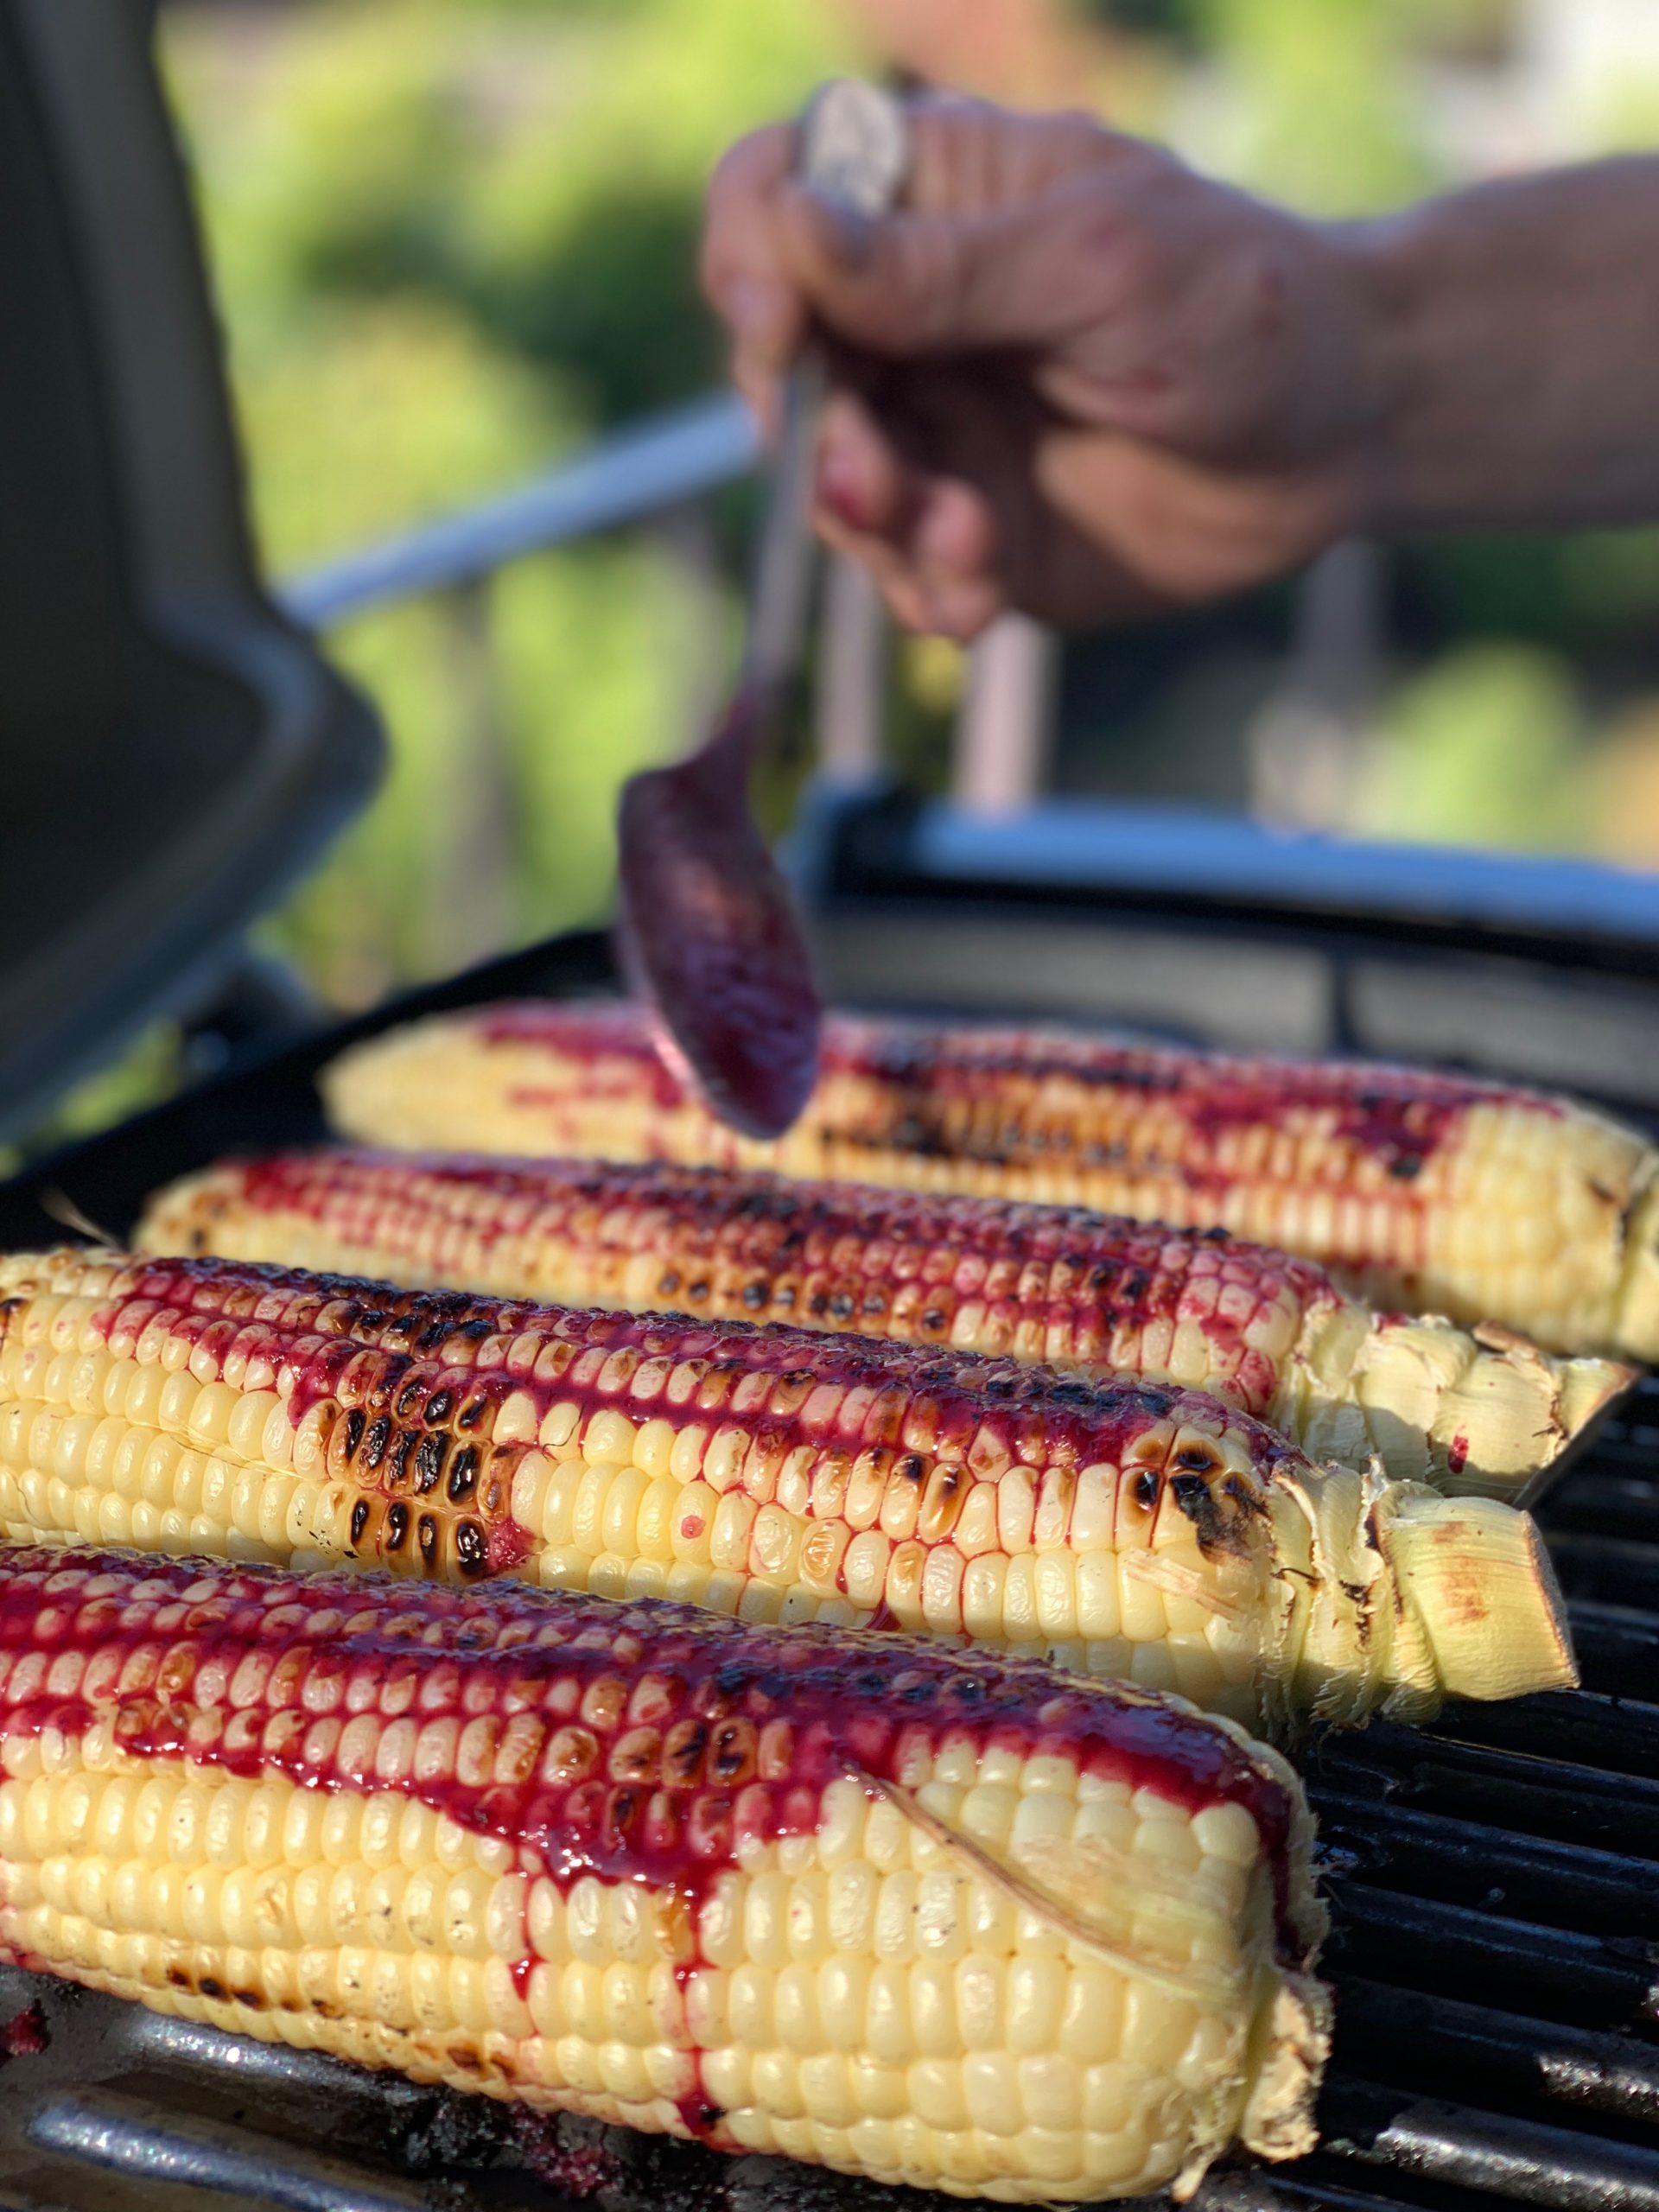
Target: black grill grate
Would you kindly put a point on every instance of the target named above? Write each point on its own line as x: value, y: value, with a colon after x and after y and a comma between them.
x: 1494, y: 1883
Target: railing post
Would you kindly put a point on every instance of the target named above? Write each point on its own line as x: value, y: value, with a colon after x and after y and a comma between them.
x: 852, y: 683
x: 1307, y: 747
x: 667, y: 461
x: 469, y: 912
x: 1003, y: 729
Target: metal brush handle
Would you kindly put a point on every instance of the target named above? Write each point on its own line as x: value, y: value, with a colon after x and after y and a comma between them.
x: 854, y: 148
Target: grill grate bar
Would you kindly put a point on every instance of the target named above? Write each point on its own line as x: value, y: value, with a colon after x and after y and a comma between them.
x: 1463, y: 1863
x: 1497, y: 1789
x: 1610, y: 1570
x: 1393, y: 2029
x: 1522, y: 2160
x: 1512, y: 2158
x: 1250, y: 2190
x: 1618, y: 1648
x: 1614, y: 1735
x: 1623, y: 1502
x: 1555, y: 1971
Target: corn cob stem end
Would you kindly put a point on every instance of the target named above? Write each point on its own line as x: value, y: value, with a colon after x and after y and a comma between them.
x: 1473, y: 1580
x: 1636, y: 1324
x: 1492, y: 1410
x: 1393, y: 1597
x: 1278, y: 2121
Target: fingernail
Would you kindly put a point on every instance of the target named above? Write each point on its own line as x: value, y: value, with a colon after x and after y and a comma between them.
x: 934, y: 619
x: 934, y: 543
x: 841, y: 487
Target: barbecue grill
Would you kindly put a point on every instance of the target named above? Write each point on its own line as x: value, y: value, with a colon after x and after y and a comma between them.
x: 1494, y: 1879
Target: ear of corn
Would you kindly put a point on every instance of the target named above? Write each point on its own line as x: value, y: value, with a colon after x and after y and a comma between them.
x: 937, y: 1920
x: 1076, y: 1290
x: 1426, y: 1192
x: 1126, y: 1529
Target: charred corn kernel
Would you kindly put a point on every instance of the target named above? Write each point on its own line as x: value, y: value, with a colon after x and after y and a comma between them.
x: 1482, y: 1413
x: 754, y: 1893
x: 1125, y: 1527
x: 1431, y: 1192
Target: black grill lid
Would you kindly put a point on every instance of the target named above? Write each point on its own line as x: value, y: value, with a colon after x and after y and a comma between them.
x: 171, y: 752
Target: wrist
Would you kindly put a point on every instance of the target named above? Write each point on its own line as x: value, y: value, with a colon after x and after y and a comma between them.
x: 1502, y: 370
x: 1387, y: 311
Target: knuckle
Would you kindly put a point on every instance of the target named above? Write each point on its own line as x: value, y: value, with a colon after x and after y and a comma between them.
x: 938, y: 112
x: 752, y: 165
x: 1121, y: 248
x: 952, y: 135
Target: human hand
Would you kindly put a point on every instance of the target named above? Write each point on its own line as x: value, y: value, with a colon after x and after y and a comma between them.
x: 1071, y: 376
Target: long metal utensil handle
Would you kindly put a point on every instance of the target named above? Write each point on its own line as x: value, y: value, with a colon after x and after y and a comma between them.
x: 854, y: 148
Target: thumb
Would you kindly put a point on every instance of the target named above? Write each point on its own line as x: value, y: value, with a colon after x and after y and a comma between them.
x: 913, y: 284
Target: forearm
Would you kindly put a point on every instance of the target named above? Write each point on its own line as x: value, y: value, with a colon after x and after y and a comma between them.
x: 1515, y: 355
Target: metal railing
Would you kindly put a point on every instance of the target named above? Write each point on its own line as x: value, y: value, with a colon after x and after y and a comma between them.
x: 630, y: 479
x: 994, y: 824
x: 669, y: 464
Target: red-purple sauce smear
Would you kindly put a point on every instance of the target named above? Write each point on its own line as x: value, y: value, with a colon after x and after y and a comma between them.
x: 579, y: 2169
x: 1087, y: 1274
x: 330, y: 1336
x: 650, y: 1739
x: 1399, y: 1115
x: 25, y: 2035
x: 588, y: 1033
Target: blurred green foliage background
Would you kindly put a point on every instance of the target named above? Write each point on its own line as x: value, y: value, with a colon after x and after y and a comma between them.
x: 454, y: 239
x: 452, y: 242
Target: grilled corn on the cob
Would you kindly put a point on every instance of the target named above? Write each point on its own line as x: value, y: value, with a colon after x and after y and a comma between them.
x: 1426, y: 1192
x: 1127, y: 1529
x: 936, y: 1919
x: 1076, y: 1290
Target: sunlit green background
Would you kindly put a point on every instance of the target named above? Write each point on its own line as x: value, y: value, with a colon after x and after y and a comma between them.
x: 454, y: 241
